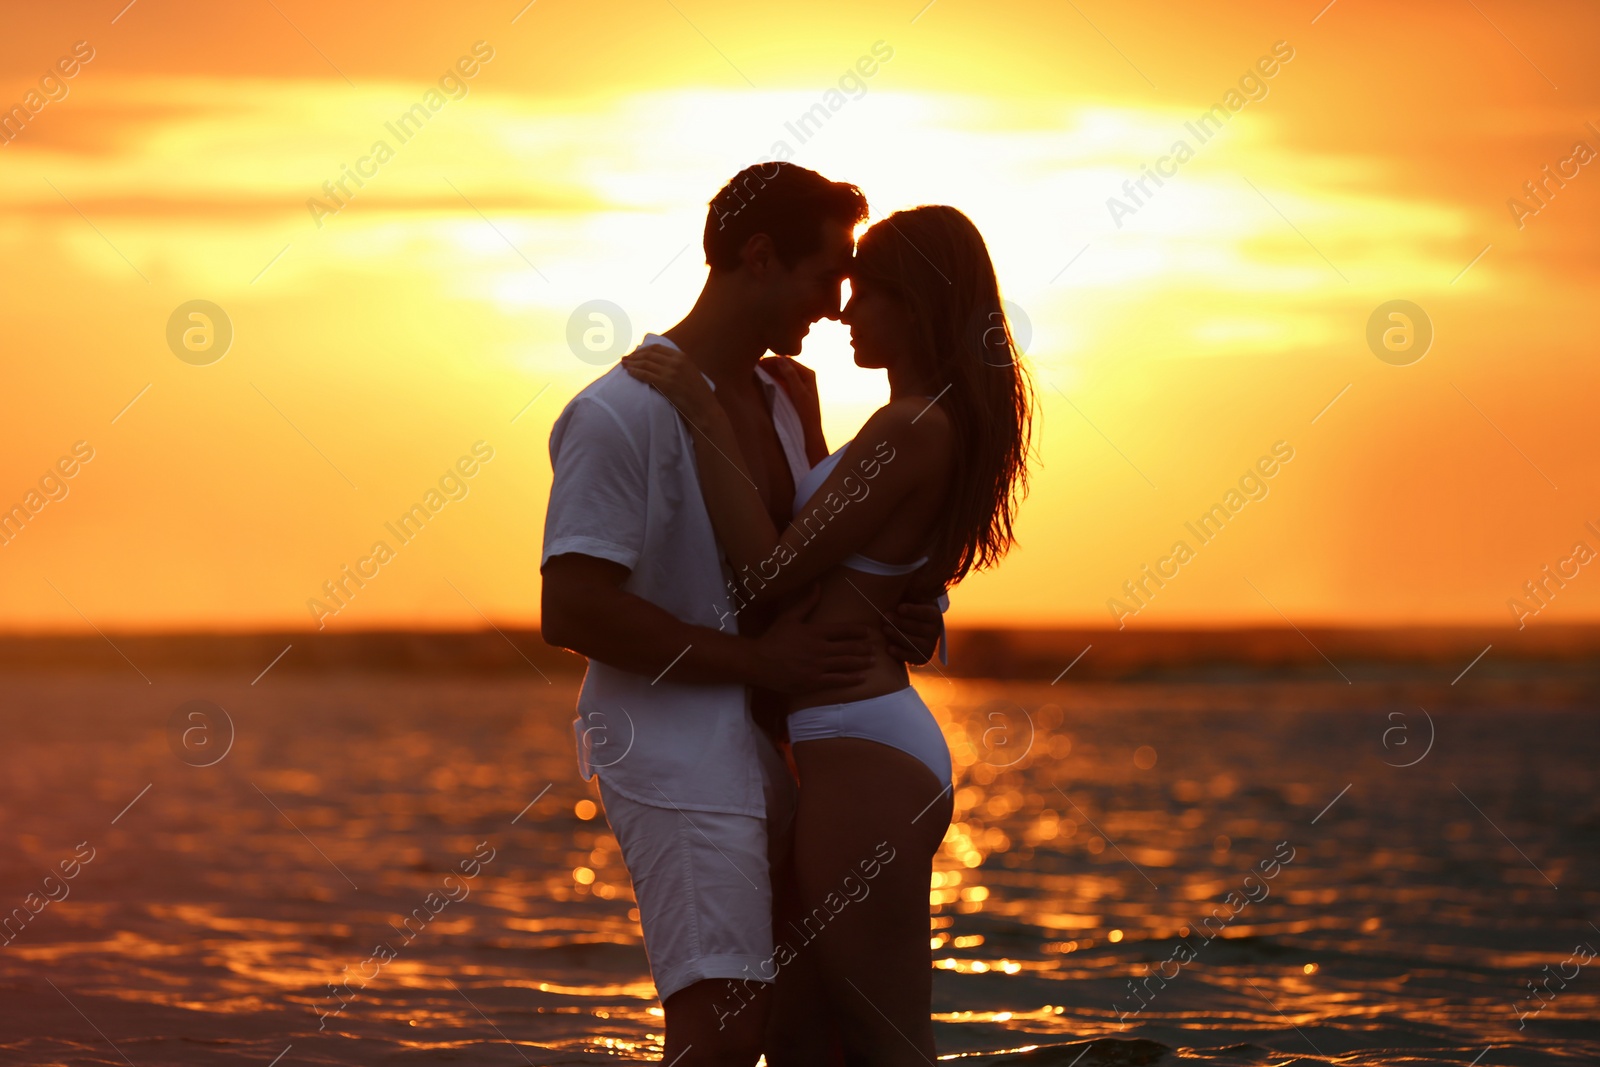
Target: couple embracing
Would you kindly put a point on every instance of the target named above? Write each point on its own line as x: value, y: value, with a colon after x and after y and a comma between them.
x: 748, y: 602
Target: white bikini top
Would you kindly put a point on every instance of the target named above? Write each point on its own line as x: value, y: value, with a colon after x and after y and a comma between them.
x: 807, y: 487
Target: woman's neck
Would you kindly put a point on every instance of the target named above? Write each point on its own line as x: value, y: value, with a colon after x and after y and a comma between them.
x: 903, y: 382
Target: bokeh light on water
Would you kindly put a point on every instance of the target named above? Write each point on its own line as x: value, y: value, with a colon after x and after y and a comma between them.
x: 223, y: 902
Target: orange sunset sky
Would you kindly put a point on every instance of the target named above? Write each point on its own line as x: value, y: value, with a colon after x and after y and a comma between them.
x: 1172, y: 346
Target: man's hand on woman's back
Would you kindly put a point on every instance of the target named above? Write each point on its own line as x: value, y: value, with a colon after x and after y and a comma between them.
x: 913, y: 631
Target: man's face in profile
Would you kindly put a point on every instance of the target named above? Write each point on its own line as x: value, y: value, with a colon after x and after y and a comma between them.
x: 810, y: 290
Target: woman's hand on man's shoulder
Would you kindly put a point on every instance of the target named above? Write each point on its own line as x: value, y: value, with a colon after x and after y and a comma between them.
x: 672, y: 374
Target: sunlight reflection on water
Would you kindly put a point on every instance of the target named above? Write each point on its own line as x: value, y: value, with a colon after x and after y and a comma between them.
x: 1097, y: 829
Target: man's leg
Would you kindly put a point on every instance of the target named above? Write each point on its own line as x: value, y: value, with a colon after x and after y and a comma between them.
x: 703, y: 889
x: 716, y: 1022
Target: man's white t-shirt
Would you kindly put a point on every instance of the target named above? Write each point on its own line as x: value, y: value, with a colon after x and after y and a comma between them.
x: 626, y: 489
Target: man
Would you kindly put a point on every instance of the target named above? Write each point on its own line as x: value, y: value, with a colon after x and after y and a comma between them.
x: 634, y: 580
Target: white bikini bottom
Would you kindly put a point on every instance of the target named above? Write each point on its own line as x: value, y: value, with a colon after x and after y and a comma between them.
x: 899, y: 719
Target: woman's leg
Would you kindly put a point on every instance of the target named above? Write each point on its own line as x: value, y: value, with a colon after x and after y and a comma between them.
x: 871, y: 818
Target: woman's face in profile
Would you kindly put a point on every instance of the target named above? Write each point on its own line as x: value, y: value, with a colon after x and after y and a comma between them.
x: 880, y: 325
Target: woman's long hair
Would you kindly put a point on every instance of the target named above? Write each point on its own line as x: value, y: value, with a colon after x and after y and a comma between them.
x: 934, y: 260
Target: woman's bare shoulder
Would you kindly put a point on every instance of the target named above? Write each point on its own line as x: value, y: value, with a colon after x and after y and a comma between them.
x: 915, y: 419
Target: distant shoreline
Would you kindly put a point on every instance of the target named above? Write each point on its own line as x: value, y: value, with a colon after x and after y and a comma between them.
x: 1032, y: 654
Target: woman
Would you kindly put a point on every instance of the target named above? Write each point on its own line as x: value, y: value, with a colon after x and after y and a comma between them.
x: 928, y: 488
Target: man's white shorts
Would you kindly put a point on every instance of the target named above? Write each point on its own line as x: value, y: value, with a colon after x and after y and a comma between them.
x: 704, y: 888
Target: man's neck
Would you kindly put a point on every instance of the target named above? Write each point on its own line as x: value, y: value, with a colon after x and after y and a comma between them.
x: 718, y: 342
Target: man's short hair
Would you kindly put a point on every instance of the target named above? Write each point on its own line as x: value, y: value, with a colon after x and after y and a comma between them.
x: 787, y: 203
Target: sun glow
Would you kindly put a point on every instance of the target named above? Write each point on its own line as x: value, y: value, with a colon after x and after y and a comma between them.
x: 1216, y: 311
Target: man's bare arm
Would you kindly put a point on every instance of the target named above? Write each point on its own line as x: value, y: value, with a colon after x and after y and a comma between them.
x: 584, y: 608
